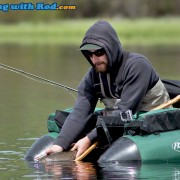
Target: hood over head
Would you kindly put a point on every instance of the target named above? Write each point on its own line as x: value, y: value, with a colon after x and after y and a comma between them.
x: 103, y: 34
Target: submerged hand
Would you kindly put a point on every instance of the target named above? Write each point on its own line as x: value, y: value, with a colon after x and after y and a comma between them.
x: 54, y: 149
x: 81, y: 146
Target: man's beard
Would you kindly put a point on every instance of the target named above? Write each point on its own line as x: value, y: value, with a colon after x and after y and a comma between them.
x: 101, y: 67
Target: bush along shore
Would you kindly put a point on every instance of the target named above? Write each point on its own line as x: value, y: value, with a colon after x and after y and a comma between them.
x: 138, y: 31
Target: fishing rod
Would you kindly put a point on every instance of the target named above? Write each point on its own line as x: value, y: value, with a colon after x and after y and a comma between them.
x: 36, y: 78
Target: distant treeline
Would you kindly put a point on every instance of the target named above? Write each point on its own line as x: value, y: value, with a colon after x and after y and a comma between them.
x: 92, y: 8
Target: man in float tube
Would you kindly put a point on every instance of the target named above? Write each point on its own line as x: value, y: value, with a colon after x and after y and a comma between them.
x: 126, y: 79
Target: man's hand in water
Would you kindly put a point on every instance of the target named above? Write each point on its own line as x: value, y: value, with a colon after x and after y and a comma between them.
x: 54, y: 149
x: 81, y: 146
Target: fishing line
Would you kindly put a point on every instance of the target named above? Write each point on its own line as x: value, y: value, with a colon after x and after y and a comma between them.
x: 37, y: 78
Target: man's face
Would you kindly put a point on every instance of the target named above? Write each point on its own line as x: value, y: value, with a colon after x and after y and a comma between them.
x: 99, y: 60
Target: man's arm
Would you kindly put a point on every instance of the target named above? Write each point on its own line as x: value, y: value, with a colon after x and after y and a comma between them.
x: 139, y: 76
x: 78, y: 119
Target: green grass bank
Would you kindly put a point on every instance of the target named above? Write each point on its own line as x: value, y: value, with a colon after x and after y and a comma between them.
x: 138, y: 31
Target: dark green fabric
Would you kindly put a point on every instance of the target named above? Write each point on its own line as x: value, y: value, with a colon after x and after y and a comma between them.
x: 52, y: 123
x: 154, y: 122
x: 141, y: 114
x: 52, y: 126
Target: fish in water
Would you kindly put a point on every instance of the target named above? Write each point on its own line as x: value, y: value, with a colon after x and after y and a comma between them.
x: 60, y: 156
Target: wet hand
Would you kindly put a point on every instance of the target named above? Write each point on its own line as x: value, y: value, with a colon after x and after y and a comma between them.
x: 81, y: 146
x: 54, y: 149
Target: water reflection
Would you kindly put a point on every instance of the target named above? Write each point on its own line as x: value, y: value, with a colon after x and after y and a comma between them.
x: 140, y: 171
x: 90, y: 171
x: 120, y: 171
x: 64, y: 170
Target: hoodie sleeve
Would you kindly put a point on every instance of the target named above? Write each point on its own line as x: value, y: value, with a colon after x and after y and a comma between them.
x: 78, y: 119
x: 139, y: 77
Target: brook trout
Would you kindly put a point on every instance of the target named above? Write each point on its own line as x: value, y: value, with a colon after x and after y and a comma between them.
x: 60, y: 156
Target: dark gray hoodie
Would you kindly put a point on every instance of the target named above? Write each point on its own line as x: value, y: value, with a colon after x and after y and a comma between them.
x: 128, y: 80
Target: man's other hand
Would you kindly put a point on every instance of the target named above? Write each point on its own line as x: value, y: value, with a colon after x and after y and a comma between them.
x: 81, y: 146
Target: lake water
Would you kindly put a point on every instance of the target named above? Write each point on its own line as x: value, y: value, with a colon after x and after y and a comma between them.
x: 26, y: 104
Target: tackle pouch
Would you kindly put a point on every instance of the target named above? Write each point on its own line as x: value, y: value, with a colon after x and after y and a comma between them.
x: 109, y: 128
x: 154, y: 122
x: 56, y: 120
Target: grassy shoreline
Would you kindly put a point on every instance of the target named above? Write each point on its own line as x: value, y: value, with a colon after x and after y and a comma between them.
x: 140, y: 31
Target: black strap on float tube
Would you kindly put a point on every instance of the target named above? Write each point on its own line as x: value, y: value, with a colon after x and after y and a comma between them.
x: 109, y: 138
